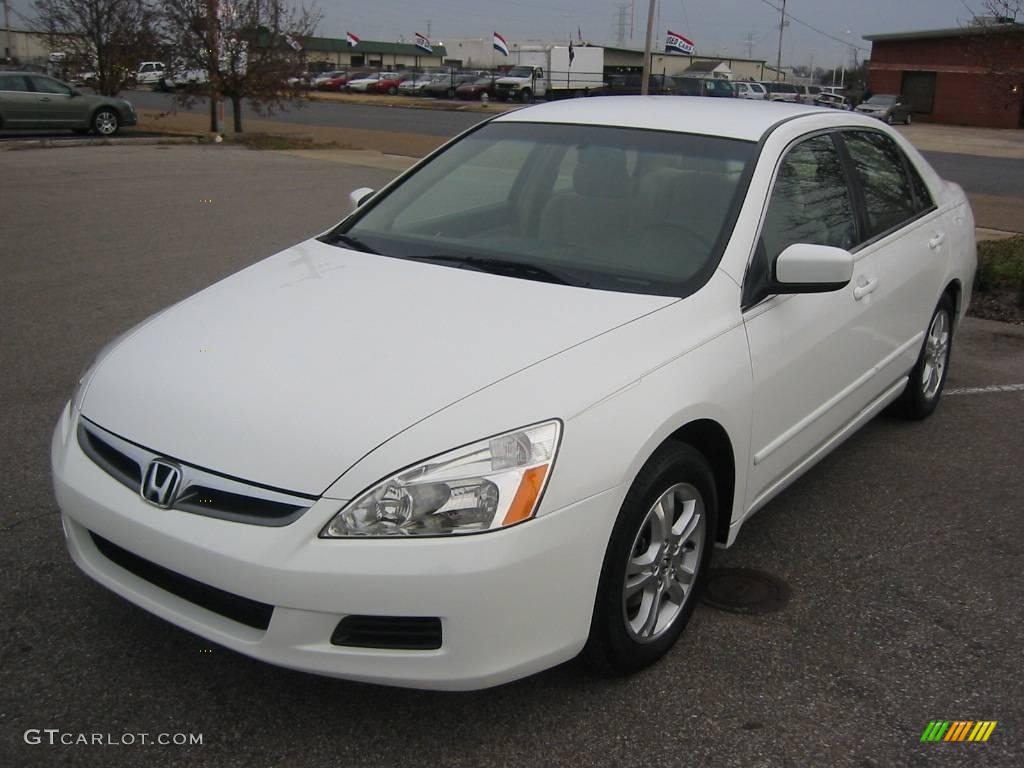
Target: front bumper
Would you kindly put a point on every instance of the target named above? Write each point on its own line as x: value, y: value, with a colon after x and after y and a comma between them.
x: 511, y: 602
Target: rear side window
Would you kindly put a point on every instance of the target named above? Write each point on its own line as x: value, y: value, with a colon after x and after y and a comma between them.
x: 889, y: 199
x: 13, y: 83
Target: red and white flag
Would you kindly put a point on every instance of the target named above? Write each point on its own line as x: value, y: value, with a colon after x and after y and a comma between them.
x: 352, y: 39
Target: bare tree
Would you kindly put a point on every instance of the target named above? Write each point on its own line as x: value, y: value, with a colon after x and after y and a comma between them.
x: 107, y: 36
x: 245, y: 50
x: 1007, y: 10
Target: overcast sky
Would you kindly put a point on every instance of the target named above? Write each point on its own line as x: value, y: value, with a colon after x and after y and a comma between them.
x: 716, y: 26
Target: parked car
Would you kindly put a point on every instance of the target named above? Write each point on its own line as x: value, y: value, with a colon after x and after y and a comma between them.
x: 150, y: 73
x: 476, y: 89
x: 362, y: 84
x: 387, y: 83
x: 892, y: 108
x: 414, y: 86
x: 630, y: 330
x: 779, y: 91
x: 446, y: 85
x: 330, y: 81
x: 29, y: 100
x: 833, y: 101
x: 750, y: 90
x: 704, y: 86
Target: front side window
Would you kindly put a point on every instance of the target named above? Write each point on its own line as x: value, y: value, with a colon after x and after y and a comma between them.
x: 608, y: 208
x: 888, y: 194
x: 46, y: 85
x: 810, y: 203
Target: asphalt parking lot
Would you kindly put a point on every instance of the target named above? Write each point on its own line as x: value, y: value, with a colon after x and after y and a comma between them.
x: 904, y: 550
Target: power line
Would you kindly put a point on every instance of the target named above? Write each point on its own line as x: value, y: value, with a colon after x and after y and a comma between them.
x: 813, y: 28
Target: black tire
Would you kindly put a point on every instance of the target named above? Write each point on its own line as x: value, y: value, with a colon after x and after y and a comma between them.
x: 919, y: 400
x: 888, y: 119
x: 907, y: 121
x: 524, y: 95
x: 613, y: 646
x: 392, y: 91
x: 451, y: 93
x: 106, y: 121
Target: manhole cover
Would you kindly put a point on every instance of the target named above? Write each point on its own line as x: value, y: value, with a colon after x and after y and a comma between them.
x: 744, y: 590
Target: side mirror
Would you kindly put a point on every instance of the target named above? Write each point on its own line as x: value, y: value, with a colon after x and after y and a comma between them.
x: 803, y: 268
x: 358, y: 196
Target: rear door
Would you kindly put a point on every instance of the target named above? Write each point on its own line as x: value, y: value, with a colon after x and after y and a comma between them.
x: 905, y: 237
x: 17, y: 101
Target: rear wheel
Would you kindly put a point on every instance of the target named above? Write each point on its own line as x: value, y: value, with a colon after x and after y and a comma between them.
x: 655, y: 563
x: 392, y: 91
x: 928, y: 377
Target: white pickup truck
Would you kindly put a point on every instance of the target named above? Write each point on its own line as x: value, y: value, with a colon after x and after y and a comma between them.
x: 546, y: 72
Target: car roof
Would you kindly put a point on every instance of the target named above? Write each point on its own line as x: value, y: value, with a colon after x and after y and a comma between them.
x: 731, y: 118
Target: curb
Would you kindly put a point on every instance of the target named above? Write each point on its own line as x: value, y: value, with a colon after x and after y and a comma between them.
x: 56, y: 143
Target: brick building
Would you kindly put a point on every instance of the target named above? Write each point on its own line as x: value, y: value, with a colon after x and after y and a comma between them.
x: 964, y: 76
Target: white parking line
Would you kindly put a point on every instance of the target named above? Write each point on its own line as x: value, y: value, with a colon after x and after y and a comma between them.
x: 986, y: 390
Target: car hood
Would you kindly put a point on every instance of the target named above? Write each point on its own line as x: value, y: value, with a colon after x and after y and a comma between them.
x: 290, y: 371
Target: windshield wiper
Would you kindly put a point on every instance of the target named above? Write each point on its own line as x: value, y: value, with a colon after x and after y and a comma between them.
x: 352, y: 242
x: 497, y: 267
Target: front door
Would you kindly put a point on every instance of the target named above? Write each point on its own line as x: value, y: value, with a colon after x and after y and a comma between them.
x: 812, y: 354
x: 57, y: 106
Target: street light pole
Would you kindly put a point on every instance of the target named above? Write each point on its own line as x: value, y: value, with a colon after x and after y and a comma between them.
x: 213, y: 55
x: 644, y: 86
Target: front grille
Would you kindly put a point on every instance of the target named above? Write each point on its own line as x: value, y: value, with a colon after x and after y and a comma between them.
x: 202, y: 492
x: 408, y: 633
x: 251, y: 613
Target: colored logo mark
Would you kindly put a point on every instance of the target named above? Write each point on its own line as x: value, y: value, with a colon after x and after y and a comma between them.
x: 959, y: 730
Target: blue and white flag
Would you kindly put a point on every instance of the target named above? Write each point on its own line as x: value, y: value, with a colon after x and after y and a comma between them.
x: 676, y: 43
x: 500, y: 45
x: 423, y: 43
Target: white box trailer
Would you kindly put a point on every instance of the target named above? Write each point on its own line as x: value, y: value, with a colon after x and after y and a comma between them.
x: 545, y: 72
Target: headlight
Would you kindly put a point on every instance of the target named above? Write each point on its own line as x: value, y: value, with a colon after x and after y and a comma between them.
x: 484, y: 486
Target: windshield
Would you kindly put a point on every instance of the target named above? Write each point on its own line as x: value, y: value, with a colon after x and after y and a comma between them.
x: 882, y: 100
x: 610, y: 208
x: 520, y: 72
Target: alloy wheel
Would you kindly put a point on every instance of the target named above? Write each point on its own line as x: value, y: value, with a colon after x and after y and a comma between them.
x: 936, y: 355
x: 105, y: 123
x: 663, y: 563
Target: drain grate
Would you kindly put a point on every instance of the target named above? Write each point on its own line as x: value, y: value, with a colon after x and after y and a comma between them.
x: 745, y: 590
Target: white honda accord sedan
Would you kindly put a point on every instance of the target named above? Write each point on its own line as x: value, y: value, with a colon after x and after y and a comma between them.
x: 502, y: 413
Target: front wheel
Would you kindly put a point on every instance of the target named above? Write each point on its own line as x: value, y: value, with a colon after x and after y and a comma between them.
x: 928, y: 377
x: 656, y: 561
x: 907, y: 121
x: 106, y: 122
x: 524, y: 96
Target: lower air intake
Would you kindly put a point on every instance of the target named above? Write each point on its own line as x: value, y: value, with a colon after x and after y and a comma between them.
x: 406, y: 633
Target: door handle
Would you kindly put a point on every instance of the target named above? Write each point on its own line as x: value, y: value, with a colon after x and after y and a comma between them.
x: 939, y: 239
x: 863, y: 290
x: 44, y: 98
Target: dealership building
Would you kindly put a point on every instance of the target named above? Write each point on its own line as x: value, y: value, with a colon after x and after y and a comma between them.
x: 965, y: 76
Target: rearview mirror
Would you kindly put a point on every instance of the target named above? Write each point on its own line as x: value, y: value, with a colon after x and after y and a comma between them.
x: 358, y: 196
x: 804, y: 268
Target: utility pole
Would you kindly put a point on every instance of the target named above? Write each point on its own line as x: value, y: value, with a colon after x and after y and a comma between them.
x: 212, y: 11
x: 7, y: 31
x: 632, y: 18
x: 749, y: 43
x: 645, y: 85
x: 782, y: 25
